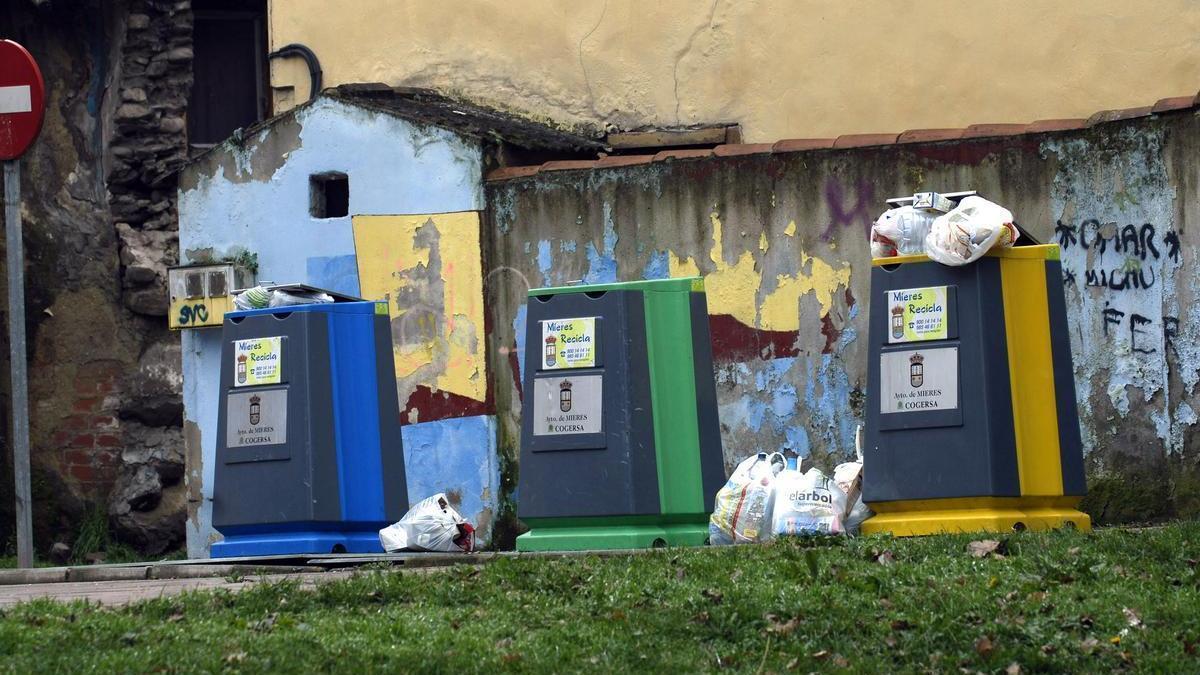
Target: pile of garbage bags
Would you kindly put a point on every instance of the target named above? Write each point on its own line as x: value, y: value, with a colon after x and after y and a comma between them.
x: 949, y: 234
x: 768, y: 496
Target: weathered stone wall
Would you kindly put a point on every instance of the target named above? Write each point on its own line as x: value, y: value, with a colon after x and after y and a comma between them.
x: 781, y: 239
x: 98, y: 206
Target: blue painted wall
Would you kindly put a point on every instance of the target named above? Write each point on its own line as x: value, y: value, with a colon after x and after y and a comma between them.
x: 255, y: 197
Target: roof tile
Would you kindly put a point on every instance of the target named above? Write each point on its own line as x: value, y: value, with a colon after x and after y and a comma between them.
x: 1174, y: 103
x: 988, y: 130
x: 622, y: 160
x: 736, y: 149
x: 510, y: 172
x: 802, y: 144
x: 569, y: 165
x: 929, y: 135
x: 1042, y: 126
x: 864, y: 140
x: 1106, y: 116
x: 683, y: 154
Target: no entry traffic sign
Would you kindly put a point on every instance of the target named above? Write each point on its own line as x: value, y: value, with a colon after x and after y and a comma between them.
x: 22, y: 100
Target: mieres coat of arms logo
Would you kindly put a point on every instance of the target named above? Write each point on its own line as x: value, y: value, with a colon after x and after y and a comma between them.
x: 564, y: 396
x: 916, y: 371
x: 255, y: 410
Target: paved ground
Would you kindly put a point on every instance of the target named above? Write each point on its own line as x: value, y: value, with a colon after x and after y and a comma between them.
x: 123, y: 592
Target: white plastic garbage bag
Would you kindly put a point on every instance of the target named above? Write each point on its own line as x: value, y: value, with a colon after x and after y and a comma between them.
x: 807, y: 503
x: 969, y: 231
x: 848, y: 477
x: 742, y: 507
x: 901, y: 231
x: 287, y: 299
x: 430, y: 525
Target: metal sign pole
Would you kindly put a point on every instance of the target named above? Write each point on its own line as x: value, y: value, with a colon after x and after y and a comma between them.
x: 16, y: 349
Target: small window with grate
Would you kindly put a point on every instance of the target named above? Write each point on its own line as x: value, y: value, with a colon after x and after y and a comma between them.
x: 329, y: 195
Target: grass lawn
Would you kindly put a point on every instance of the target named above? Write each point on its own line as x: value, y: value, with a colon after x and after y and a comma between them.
x: 1112, y: 600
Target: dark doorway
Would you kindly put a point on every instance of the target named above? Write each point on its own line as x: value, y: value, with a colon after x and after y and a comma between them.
x: 229, y: 87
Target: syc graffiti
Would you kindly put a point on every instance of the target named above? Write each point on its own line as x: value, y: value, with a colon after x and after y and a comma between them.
x: 194, y: 313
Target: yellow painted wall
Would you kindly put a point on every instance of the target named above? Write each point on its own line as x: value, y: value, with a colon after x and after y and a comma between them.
x: 782, y: 68
x: 429, y: 269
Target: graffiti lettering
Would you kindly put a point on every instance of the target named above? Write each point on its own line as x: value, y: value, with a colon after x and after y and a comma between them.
x: 1134, y: 244
x: 840, y: 215
x: 1119, y: 280
x: 1172, y: 241
x: 197, y: 313
x: 1138, y: 340
x: 1135, y: 322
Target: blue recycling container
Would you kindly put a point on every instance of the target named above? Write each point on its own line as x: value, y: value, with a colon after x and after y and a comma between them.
x: 309, y: 456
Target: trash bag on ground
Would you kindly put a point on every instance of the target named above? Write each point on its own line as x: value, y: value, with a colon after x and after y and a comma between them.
x: 742, y: 507
x: 972, y: 229
x: 848, y: 477
x: 430, y: 525
x: 807, y: 503
x: 901, y: 231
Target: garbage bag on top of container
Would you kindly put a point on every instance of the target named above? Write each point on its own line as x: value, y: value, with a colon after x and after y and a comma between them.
x: 281, y: 298
x: 430, y: 525
x: 742, y: 507
x: 252, y: 298
x: 900, y: 231
x: 972, y: 229
x: 807, y: 503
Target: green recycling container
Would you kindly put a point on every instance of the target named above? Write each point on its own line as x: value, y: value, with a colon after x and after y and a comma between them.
x: 620, y: 443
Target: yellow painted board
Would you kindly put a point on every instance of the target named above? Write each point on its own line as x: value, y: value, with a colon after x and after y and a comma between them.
x: 429, y: 270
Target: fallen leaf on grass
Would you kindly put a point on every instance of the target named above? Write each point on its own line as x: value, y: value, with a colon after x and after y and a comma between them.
x: 1013, y: 668
x: 714, y: 595
x: 1131, y: 616
x: 235, y: 657
x: 774, y: 625
x: 841, y: 661
x: 1073, y: 551
x: 1049, y: 649
x: 617, y: 615
x: 901, y: 624
x: 821, y: 655
x: 985, y: 547
x: 984, y: 646
x: 177, y: 616
x: 511, y: 657
x: 886, y: 558
x: 1089, y: 645
x: 793, y: 663
x: 504, y: 643
x: 889, y: 641
x: 702, y: 617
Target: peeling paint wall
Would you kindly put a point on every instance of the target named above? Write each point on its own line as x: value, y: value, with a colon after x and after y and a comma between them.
x: 254, y: 196
x: 781, y: 240
x: 803, y: 68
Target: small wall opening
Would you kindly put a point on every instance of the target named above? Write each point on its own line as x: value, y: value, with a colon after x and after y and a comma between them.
x: 329, y: 195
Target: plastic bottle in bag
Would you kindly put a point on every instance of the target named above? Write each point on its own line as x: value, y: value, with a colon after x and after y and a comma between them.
x: 742, y: 507
x: 901, y: 231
